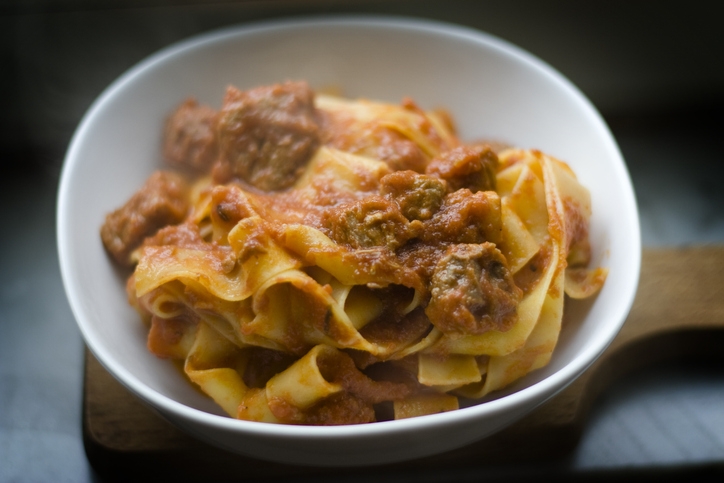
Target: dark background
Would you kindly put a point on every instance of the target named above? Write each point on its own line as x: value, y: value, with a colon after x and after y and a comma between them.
x: 653, y: 59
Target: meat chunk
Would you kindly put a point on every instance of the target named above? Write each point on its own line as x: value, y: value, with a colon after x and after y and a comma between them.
x: 371, y: 222
x: 472, y: 291
x: 418, y: 196
x: 161, y: 201
x: 465, y: 217
x: 189, y: 138
x: 266, y: 135
x: 471, y: 167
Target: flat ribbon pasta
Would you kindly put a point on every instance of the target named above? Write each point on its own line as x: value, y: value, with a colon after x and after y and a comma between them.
x: 327, y: 243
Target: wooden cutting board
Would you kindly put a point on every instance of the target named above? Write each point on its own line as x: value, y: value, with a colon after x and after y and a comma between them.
x: 678, y: 313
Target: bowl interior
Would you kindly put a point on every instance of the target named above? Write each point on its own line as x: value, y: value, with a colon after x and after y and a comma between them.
x: 493, y: 90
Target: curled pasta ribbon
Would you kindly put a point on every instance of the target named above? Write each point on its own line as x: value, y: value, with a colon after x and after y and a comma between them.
x: 214, y: 364
x: 210, y: 267
x: 426, y: 130
x: 302, y: 385
x: 321, y: 382
x: 297, y: 311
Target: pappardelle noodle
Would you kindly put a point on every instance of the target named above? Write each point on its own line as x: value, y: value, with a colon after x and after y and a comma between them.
x: 310, y: 259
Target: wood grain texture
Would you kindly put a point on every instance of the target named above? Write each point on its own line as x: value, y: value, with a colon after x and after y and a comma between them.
x: 678, y: 313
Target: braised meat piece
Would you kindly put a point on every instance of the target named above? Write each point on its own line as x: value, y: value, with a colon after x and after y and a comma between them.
x: 418, y: 196
x: 472, y: 291
x: 266, y: 135
x: 471, y: 167
x: 465, y: 217
x: 160, y: 202
x: 188, y: 139
x: 371, y: 222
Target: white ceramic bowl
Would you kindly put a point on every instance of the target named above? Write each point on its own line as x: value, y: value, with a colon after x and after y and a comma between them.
x: 493, y: 89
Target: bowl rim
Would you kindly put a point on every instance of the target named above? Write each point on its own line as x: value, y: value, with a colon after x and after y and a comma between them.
x: 540, y: 391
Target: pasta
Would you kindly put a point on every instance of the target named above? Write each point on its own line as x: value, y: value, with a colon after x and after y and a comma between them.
x: 317, y: 260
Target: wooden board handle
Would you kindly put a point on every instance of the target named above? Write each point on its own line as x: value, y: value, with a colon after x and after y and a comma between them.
x: 678, y: 313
